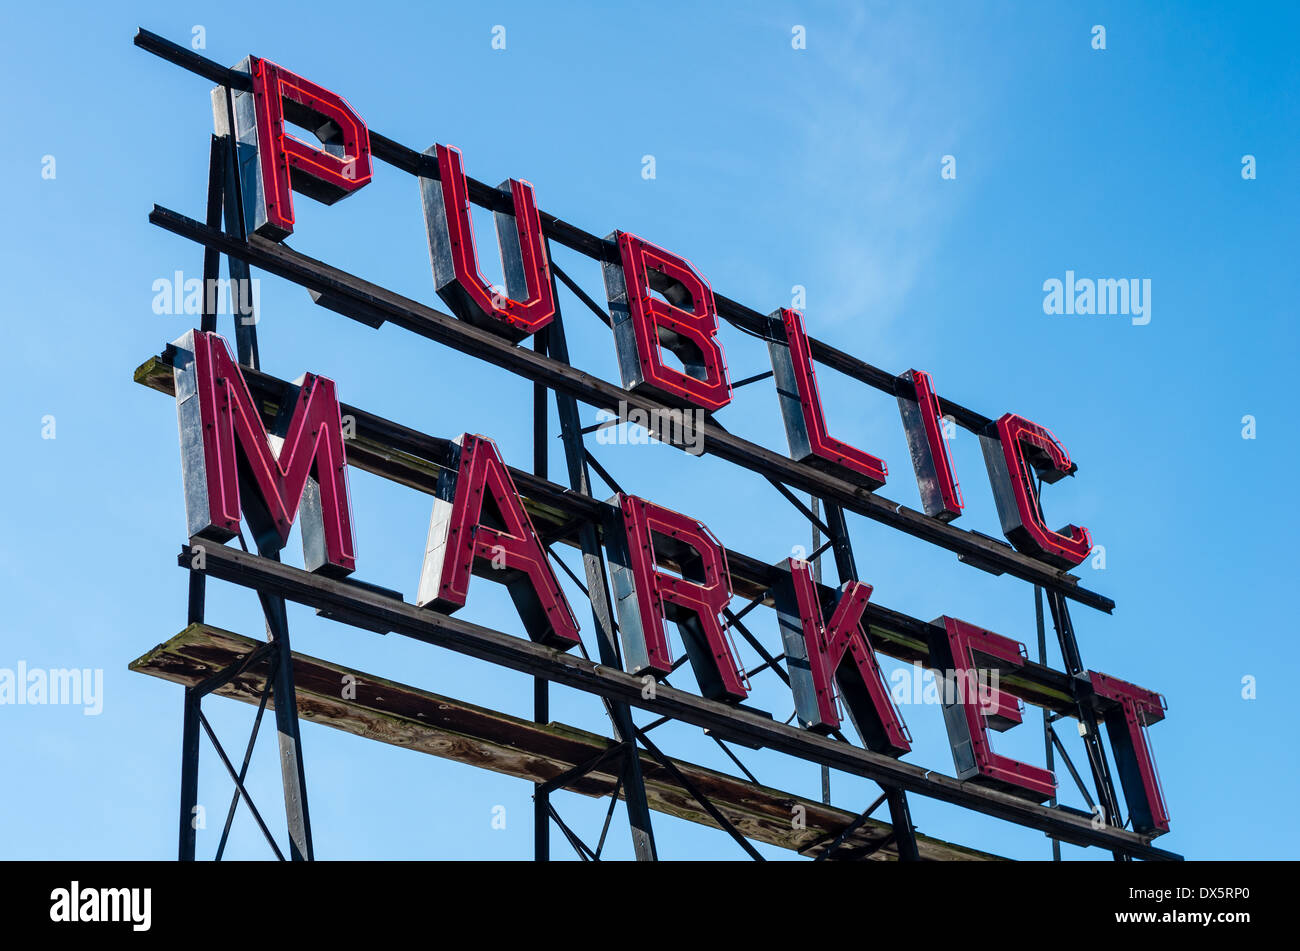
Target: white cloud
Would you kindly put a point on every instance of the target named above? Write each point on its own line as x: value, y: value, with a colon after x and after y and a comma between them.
x: 884, y: 109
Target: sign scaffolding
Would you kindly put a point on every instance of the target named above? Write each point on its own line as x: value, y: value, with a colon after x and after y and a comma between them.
x: 266, y: 453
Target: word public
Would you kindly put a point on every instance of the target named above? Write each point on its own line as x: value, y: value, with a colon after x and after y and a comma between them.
x: 659, y: 304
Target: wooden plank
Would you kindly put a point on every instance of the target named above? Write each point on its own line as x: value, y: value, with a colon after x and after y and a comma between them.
x: 406, y: 716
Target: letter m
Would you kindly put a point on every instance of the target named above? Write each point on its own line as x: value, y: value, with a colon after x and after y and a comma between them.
x: 231, y: 463
x: 1116, y: 299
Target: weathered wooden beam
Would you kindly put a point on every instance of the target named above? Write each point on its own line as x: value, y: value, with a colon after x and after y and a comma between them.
x: 414, y: 459
x: 401, y: 715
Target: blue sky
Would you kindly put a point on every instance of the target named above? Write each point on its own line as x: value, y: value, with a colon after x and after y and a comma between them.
x: 775, y: 167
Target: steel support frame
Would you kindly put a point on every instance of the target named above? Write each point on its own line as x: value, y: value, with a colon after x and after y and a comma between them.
x: 1087, y: 714
x: 593, y: 560
x: 570, y: 236
x: 357, y: 299
x: 403, y: 455
x: 223, y: 195
x: 971, y: 545
x: 1048, y: 732
x: 223, y: 203
x: 608, y: 681
x: 900, y: 815
x: 541, y: 688
x: 577, y: 509
x: 849, y: 829
x: 194, y: 721
x: 572, y: 434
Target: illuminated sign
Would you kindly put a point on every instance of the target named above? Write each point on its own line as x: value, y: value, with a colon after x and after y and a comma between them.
x: 666, y: 569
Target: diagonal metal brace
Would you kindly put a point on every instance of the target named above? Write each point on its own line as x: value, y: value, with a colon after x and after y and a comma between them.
x: 611, y: 754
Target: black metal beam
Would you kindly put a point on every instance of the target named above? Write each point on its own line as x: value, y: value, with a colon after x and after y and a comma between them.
x: 733, y: 620
x: 608, y: 479
x: 609, y: 815
x: 582, y: 295
x: 196, y: 599
x: 1069, y: 764
x: 735, y: 759
x: 584, y: 851
x: 292, y: 770
x: 757, y: 377
x: 615, y: 752
x: 813, y: 518
x: 211, y: 257
x: 223, y: 677
x: 816, y: 559
x: 240, y: 277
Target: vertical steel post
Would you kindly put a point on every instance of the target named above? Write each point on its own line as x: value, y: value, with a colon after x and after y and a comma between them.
x: 240, y: 280
x: 189, y: 776
x: 197, y: 597
x: 194, y: 613
x: 1047, y: 723
x: 1081, y: 687
x: 541, y: 687
x: 217, y: 174
x: 817, y: 579
x: 292, y: 773
x: 593, y: 560
x: 1073, y: 662
x: 845, y: 564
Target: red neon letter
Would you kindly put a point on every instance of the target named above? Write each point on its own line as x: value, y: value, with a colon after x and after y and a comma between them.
x: 645, y: 596
x: 965, y: 714
x: 801, y: 405
x: 1017, y: 452
x: 328, y: 172
x: 1126, y: 725
x: 223, y: 438
x: 940, y: 493
x: 684, y: 323
x: 462, y: 541
x: 817, y: 656
x: 528, y: 304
